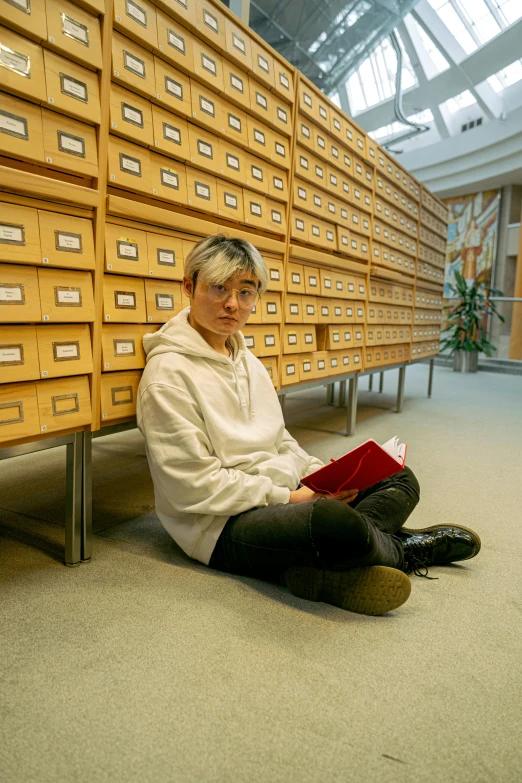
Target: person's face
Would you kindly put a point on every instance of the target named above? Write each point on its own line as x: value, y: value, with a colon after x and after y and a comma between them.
x: 221, y: 317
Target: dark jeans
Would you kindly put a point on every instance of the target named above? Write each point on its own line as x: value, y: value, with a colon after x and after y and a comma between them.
x: 263, y: 542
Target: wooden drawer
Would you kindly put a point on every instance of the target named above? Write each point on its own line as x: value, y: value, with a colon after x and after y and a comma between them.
x: 304, y: 165
x: 235, y: 124
x: 176, y: 43
x: 64, y: 350
x: 255, y: 316
x: 122, y: 346
x: 169, y: 180
x: 207, y: 107
x: 311, y: 280
x: 324, y: 310
x: 163, y: 300
x: 294, y: 309
x: 208, y: 65
x: 276, y: 216
x: 210, y: 24
x: 232, y: 161
x: 295, y: 278
x: 283, y: 80
x: 28, y: 18
x: 299, y: 226
x: 275, y: 274
x: 74, y: 32
x: 69, y: 145
x: 257, y: 173
x: 66, y: 296
x: 310, y: 309
x: 271, y: 308
x: 350, y: 359
x: 66, y: 241
x: 238, y: 44
x: 132, y: 65
x: 171, y: 134
x: 18, y: 411
x: 259, y: 138
x: 256, y: 210
x: 123, y: 300
x: 64, y: 403
x: 18, y: 354
x: 72, y: 88
x: 126, y: 251
x: 23, y: 65
x: 271, y: 365
x: 137, y: 19
x: 19, y: 294
x: 263, y: 64
x: 165, y: 256
x: 21, y: 130
x: 129, y: 166
x: 201, y: 190
x: 261, y: 101
x: 235, y: 84
x: 119, y: 392
x: 172, y: 88
x: 131, y: 116
x: 230, y: 201
x: 262, y: 340
x: 184, y: 11
x: 19, y: 235
x: 290, y: 369
x: 204, y: 149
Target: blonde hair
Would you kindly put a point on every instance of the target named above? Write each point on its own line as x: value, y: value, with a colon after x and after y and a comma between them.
x: 218, y: 258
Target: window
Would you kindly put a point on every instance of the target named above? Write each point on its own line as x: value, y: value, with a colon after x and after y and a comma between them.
x: 460, y: 101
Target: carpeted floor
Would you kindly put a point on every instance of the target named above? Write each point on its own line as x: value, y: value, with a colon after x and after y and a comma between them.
x: 145, y: 667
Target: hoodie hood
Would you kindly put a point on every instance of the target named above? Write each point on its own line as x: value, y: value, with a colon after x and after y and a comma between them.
x: 178, y: 336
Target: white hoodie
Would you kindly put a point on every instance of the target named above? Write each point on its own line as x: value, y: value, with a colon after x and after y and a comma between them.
x: 215, y: 436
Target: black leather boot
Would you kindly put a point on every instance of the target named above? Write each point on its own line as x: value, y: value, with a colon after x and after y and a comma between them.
x: 437, y: 545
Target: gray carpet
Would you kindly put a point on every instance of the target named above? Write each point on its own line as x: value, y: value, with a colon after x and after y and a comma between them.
x: 144, y: 666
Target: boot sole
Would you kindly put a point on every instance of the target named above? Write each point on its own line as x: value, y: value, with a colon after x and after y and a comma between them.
x: 373, y: 590
x: 434, y: 528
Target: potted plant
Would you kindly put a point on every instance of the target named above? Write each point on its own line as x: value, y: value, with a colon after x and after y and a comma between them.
x: 467, y: 323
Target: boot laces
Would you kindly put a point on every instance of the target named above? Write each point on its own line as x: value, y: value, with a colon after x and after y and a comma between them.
x: 417, y: 558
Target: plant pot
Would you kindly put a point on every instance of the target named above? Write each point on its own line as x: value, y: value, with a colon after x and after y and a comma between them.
x: 465, y: 361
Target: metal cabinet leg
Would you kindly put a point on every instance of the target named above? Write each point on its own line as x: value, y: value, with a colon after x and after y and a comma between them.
x: 342, y: 394
x: 73, y: 501
x: 330, y: 392
x: 370, y: 382
x: 430, y: 379
x: 87, y: 498
x: 400, y: 388
x: 381, y: 382
x: 351, y: 412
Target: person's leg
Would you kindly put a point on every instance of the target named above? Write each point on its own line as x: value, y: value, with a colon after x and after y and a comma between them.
x: 389, y: 503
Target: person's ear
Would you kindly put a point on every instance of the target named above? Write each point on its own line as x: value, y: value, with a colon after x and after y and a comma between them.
x: 188, y: 287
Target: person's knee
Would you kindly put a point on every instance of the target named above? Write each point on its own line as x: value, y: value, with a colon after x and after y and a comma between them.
x: 408, y: 478
x: 335, y: 527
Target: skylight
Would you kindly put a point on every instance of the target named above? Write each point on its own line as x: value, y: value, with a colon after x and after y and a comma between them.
x: 438, y: 60
x: 374, y: 80
x: 460, y: 101
x: 507, y: 76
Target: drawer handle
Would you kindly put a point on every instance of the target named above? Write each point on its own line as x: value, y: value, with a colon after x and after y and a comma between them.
x: 118, y: 390
x: 18, y: 419
x: 61, y: 398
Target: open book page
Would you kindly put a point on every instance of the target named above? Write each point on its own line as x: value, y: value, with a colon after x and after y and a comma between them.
x: 395, y: 449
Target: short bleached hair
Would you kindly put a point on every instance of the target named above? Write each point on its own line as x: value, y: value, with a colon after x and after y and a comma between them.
x: 217, y: 258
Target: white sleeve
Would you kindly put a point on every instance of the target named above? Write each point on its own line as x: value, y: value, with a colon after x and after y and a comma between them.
x: 304, y: 462
x: 182, y: 464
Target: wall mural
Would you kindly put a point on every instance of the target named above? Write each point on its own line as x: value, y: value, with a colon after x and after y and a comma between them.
x: 472, y: 236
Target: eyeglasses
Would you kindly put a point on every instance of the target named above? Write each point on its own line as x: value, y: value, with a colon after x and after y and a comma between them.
x: 246, y: 297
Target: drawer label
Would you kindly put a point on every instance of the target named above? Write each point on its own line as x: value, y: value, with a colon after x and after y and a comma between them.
x: 296, y: 278
x: 336, y: 337
x: 205, y: 149
x: 75, y: 30
x: 278, y: 183
x: 292, y: 339
x: 282, y: 115
x: 303, y: 162
x: 305, y: 130
x: 232, y: 161
x: 290, y: 369
x: 338, y: 311
x: 307, y: 99
x: 339, y: 285
x: 263, y: 63
x: 12, y: 294
x: 211, y: 21
x: 347, y: 336
x: 136, y: 12
x: 130, y: 165
x: 65, y: 403
x: 125, y: 300
x: 65, y: 296
x: 307, y: 366
x: 333, y: 180
x: 67, y: 242
x: 312, y: 281
x: 72, y: 145
x: 234, y: 122
x: 173, y: 88
x: 319, y: 172
x: 322, y: 112
x: 274, y: 274
x: 261, y: 100
x: 15, y: 61
x: 209, y: 64
x: 325, y: 310
x: 276, y: 216
x: 255, y: 209
x: 257, y: 173
x: 132, y: 115
x: 301, y: 192
x: 134, y: 64
x: 231, y: 200
x: 316, y: 232
x: 169, y: 178
x: 280, y: 149
x: 317, y: 200
x: 64, y: 352
x: 331, y: 208
x: 337, y: 124
x: 164, y: 301
x: 335, y: 151
x: 176, y: 41
x: 11, y: 234
x: 294, y: 309
x: 346, y: 360
x: 271, y: 308
x: 202, y: 190
x: 321, y: 364
x: 165, y: 257
x: 207, y: 106
x: 284, y: 81
x: 329, y: 236
x: 23, y: 5
x: 334, y: 361
x: 126, y: 248
x: 13, y: 125
x: 124, y: 348
x: 74, y: 88
x: 237, y: 83
x: 310, y: 310
x: 259, y: 136
x: 269, y: 340
x: 299, y: 224
x: 238, y: 43
x: 249, y: 341
x: 11, y: 355
x: 321, y: 142
x: 170, y: 133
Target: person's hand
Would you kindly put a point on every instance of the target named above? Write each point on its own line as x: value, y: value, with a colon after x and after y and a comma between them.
x: 304, y: 494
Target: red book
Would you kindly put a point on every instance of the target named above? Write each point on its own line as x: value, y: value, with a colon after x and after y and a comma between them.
x: 362, y: 467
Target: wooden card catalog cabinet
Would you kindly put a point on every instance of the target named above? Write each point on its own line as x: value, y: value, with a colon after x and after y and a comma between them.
x: 66, y: 241
x: 126, y: 250
x: 262, y: 340
x: 21, y: 133
x: 163, y: 300
x: 172, y: 88
x: 275, y: 273
x: 21, y: 65
x: 168, y: 179
x: 130, y: 116
x: 119, y: 392
x: 18, y: 354
x: 19, y: 235
x: 69, y: 145
x: 123, y: 299
x: 137, y: 19
x: 64, y: 350
x: 165, y: 256
x: 238, y: 44
x: 19, y: 294
x: 122, y: 346
x: 129, y: 166
x: 74, y: 32
x: 132, y: 65
x: 18, y: 411
x: 64, y: 403
x: 72, y: 88
x: 28, y: 17
x: 66, y: 296
x: 271, y: 365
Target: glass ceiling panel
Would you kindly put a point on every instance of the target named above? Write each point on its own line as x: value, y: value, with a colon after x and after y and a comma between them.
x: 459, y: 101
x: 374, y: 80
x: 437, y: 58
